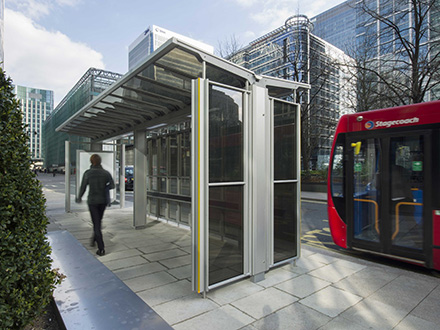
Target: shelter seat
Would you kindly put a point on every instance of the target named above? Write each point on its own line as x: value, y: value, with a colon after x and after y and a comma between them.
x: 91, y: 296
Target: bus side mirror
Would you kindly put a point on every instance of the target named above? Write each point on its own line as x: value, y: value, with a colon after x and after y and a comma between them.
x: 357, y: 147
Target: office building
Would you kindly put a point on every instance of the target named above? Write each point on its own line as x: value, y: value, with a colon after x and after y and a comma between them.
x: 348, y: 27
x: 337, y: 26
x: 154, y: 37
x: 36, y: 105
x: 91, y: 84
x: 293, y: 52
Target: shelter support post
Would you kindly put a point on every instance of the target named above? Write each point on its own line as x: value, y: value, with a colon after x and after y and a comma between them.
x: 67, y: 176
x: 261, y: 189
x: 140, y: 182
x: 122, y: 175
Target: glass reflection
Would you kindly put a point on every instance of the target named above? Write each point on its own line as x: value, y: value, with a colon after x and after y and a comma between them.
x: 285, y: 221
x: 225, y: 233
x: 285, y: 141
x: 225, y: 135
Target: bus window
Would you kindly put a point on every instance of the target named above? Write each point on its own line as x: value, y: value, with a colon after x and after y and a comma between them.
x: 337, y: 173
x: 366, y: 190
x: 406, y: 185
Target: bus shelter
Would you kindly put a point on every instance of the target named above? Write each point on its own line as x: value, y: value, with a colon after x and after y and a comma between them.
x: 243, y: 153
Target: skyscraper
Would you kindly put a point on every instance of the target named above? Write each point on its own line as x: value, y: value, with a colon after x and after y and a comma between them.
x: 36, y: 105
x: 293, y: 52
x: 154, y: 37
x: 337, y: 26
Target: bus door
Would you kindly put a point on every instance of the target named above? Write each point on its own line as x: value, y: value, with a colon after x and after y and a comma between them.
x: 389, y: 185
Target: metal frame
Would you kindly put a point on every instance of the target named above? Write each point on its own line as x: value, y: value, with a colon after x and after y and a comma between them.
x: 297, y: 181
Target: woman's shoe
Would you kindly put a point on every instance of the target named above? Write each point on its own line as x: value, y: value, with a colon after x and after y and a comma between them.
x: 100, y: 252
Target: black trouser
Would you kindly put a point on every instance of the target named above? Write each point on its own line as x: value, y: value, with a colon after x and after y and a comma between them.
x: 97, y: 212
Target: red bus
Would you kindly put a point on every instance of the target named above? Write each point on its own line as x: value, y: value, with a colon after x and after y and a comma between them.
x: 384, y: 183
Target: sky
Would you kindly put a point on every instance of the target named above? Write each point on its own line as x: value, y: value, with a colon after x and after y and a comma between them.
x: 50, y: 44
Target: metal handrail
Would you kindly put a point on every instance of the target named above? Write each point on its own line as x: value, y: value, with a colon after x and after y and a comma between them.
x: 376, y: 211
x: 397, y: 216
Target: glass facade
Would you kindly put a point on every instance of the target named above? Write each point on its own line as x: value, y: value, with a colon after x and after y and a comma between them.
x: 389, y: 55
x: 36, y: 105
x: 337, y: 26
x: 293, y: 52
x: 92, y: 83
x: 169, y: 173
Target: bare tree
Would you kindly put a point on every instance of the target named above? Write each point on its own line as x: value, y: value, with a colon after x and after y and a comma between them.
x: 228, y: 47
x: 402, y: 62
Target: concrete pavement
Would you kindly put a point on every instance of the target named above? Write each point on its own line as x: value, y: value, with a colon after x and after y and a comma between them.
x: 325, y: 290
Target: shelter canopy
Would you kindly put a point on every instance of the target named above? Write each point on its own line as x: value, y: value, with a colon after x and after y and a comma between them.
x: 158, y: 91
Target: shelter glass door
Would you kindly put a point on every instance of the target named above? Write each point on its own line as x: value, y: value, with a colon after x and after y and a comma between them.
x: 285, y: 183
x: 226, y: 184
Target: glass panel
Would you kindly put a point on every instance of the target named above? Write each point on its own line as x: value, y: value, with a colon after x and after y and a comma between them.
x: 407, y: 176
x: 185, y: 187
x: 163, y: 184
x: 225, y: 135
x: 225, y: 233
x: 338, y: 174
x: 284, y: 141
x: 163, y: 156
x: 173, y: 210
x: 154, y: 157
x: 186, y: 154
x: 366, y: 190
x: 285, y: 221
x: 153, y: 206
x: 173, y: 156
x: 163, y: 208
x: 173, y: 186
x: 185, y: 213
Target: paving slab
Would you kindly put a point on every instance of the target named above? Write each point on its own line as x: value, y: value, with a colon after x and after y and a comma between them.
x: 165, y: 293
x: 233, y: 292
x: 226, y: 317
x: 331, y: 301
x: 374, y: 314
x: 340, y: 323
x: 332, y: 273
x: 294, y: 316
x: 412, y: 322
x: 263, y: 303
x: 405, y: 292
x: 149, y: 281
x: 366, y: 282
x: 303, y: 285
x: 181, y: 272
x: 125, y: 262
x: 140, y: 270
x: 179, y: 310
x: 276, y: 276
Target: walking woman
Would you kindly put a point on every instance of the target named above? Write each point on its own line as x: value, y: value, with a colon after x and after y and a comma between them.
x: 99, y: 182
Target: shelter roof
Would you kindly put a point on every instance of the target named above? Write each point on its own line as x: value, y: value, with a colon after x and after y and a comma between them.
x: 158, y: 91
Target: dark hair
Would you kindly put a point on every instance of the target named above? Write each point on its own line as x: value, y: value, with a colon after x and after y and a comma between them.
x: 95, y: 159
